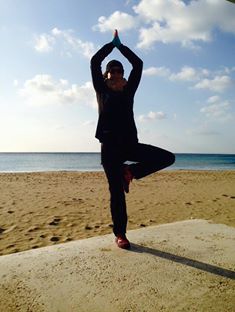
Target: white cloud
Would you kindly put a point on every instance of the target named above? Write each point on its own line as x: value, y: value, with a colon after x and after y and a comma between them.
x: 217, y: 84
x: 173, y: 21
x: 186, y: 74
x: 15, y: 83
x: 156, y: 71
x: 217, y: 109
x: 202, y: 131
x: 213, y: 99
x: 44, y: 43
x: 201, y: 77
x: 44, y: 90
x: 152, y: 116
x: 170, y: 21
x: 68, y: 41
x: 117, y: 20
x: 86, y: 48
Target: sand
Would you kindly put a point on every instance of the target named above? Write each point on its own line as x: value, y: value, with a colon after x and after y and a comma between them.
x: 42, y: 209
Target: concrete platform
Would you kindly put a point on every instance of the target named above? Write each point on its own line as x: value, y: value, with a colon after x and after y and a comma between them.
x: 183, y: 266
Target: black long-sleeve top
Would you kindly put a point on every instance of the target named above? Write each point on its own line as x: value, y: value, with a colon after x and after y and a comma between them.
x: 116, y: 117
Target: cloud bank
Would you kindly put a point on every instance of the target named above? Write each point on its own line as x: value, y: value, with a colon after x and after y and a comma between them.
x: 46, y: 42
x: 43, y: 89
x: 201, y: 78
x: 169, y: 21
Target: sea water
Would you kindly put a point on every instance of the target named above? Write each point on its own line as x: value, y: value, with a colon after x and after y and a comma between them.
x: 39, y: 162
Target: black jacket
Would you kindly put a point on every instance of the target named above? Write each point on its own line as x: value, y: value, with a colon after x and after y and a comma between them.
x: 116, y: 118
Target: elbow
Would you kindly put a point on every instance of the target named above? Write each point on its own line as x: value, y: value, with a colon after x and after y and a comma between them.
x: 140, y: 64
x: 92, y: 61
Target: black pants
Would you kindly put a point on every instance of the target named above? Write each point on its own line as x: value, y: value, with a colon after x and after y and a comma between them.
x: 147, y: 158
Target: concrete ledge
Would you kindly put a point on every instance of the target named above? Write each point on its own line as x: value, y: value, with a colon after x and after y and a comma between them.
x: 183, y: 266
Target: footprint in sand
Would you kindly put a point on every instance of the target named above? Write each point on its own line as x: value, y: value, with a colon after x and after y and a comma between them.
x: 1, y: 230
x: 54, y: 239
x: 68, y: 239
x: 10, y: 246
x: 55, y: 221
x: 225, y: 195
x: 88, y: 227
x: 33, y: 228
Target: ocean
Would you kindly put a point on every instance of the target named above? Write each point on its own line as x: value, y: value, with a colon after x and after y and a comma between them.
x: 40, y: 162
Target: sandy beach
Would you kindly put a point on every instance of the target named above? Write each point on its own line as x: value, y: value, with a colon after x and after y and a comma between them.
x: 42, y: 209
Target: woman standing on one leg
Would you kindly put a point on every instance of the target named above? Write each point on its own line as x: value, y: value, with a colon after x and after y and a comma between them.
x: 117, y: 132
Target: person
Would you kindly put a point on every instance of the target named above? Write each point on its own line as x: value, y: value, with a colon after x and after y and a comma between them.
x: 116, y: 130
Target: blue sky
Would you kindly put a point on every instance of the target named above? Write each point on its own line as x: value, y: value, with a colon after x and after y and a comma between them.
x: 186, y: 98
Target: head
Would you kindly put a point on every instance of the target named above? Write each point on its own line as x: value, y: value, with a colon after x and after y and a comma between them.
x: 114, y: 70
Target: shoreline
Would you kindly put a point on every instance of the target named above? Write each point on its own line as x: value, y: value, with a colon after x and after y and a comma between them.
x: 102, y: 170
x: 86, y: 162
x: 45, y: 208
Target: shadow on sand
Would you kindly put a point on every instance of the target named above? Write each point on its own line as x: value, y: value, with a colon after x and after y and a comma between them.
x: 185, y: 261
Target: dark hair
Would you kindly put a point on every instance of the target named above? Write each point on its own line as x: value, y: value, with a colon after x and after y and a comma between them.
x: 113, y: 63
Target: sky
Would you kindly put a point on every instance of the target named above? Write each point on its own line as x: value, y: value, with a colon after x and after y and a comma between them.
x: 186, y: 99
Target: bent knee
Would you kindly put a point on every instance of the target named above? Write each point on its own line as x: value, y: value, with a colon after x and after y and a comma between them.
x: 171, y: 158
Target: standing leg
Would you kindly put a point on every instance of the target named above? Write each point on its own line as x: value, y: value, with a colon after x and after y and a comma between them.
x: 113, y: 167
x: 149, y: 159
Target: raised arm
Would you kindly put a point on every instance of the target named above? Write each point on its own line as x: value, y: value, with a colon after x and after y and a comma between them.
x: 137, y: 67
x: 96, y: 60
x: 136, y: 62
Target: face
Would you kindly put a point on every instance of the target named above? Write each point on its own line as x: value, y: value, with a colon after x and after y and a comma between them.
x: 115, y: 73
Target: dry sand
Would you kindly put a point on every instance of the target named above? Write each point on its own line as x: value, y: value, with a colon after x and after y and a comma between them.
x: 41, y: 209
